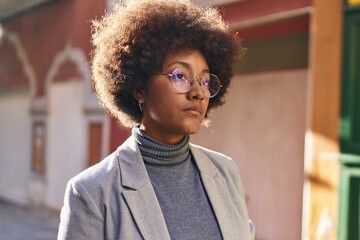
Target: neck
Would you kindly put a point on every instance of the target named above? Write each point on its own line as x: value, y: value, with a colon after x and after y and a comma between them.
x: 161, y: 137
x: 158, y: 153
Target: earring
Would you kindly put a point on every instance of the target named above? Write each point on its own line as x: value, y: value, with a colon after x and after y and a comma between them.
x: 140, y: 107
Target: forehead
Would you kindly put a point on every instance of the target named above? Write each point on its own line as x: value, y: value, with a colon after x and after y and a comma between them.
x: 191, y: 59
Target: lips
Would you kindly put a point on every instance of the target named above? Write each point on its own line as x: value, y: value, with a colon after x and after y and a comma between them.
x: 195, y: 110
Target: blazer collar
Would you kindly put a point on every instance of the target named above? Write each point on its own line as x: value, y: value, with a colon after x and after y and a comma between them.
x: 204, y: 164
x: 134, y: 174
x: 139, y: 193
x: 142, y: 200
x: 133, y: 171
x: 217, y: 191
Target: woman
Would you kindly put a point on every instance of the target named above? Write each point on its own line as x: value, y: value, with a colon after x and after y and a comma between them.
x: 160, y: 66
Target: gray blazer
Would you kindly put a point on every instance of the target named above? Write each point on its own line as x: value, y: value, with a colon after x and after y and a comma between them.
x: 115, y: 198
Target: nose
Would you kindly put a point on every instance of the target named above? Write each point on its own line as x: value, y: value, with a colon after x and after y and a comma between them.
x: 196, y: 91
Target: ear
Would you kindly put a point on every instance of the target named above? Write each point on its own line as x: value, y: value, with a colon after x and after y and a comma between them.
x: 139, y: 95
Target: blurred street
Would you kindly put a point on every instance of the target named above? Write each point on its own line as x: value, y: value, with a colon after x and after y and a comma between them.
x: 18, y: 224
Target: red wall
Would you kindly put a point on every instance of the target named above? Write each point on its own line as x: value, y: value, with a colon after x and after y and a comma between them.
x: 44, y: 32
x: 277, y: 29
x: 256, y: 8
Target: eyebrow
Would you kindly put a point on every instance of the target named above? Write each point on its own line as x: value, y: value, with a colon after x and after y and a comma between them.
x: 185, y: 65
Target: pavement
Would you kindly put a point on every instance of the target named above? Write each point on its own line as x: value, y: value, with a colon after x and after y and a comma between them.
x: 18, y: 223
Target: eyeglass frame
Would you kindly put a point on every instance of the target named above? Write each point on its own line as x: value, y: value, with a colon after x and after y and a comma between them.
x: 192, y: 81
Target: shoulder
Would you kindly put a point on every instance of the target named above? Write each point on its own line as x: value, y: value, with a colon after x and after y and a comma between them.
x: 106, y: 172
x: 220, y: 160
x: 100, y: 170
x: 97, y: 176
x: 111, y: 173
x: 218, y: 163
x: 210, y: 152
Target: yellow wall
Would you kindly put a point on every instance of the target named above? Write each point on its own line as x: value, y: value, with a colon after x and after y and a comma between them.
x: 351, y: 2
x: 323, y: 119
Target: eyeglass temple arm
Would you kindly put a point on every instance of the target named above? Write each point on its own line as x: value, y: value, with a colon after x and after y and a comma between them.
x: 165, y: 74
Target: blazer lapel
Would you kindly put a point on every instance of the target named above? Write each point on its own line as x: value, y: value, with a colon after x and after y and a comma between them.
x: 217, y: 192
x: 140, y: 197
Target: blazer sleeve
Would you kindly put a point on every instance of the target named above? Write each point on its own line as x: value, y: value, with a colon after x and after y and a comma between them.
x: 80, y: 217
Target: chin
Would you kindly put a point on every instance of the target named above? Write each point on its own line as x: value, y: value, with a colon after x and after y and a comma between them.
x: 191, y: 126
x: 191, y: 132
x: 192, y: 129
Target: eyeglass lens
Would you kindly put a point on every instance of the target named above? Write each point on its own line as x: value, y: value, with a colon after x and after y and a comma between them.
x: 182, y: 80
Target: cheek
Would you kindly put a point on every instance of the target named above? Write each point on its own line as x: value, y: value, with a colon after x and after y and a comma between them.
x: 206, y: 105
x: 162, y: 107
x: 160, y: 113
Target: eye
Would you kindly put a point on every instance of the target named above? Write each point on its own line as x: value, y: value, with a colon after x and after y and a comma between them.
x: 180, y: 75
x: 206, y: 83
x: 206, y: 80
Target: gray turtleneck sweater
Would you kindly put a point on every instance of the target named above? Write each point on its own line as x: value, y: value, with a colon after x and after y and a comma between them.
x: 174, y: 175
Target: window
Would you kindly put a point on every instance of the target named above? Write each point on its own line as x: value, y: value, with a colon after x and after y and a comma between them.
x: 350, y: 102
x: 38, y: 147
x: 94, y: 143
x: 349, y: 200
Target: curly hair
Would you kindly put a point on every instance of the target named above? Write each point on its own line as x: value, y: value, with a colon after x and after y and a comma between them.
x: 131, y: 44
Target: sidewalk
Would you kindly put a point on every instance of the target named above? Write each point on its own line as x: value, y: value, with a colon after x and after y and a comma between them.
x: 20, y: 224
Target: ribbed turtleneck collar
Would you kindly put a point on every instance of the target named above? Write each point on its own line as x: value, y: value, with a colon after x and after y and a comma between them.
x: 158, y: 153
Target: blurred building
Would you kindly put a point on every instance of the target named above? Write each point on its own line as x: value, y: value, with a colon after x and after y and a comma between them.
x: 298, y: 151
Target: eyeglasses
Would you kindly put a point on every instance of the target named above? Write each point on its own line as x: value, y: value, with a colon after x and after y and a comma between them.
x: 183, y: 80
